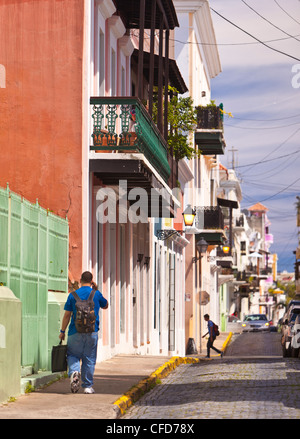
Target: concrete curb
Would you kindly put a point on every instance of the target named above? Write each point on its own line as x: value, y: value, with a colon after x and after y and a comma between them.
x: 130, y: 397
x: 227, y: 341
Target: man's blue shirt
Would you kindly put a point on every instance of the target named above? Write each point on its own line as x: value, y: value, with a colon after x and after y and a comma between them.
x: 210, y: 327
x: 83, y: 293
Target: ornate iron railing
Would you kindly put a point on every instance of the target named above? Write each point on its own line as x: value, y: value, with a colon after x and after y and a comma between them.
x: 123, y: 124
x: 209, y: 117
x: 209, y: 217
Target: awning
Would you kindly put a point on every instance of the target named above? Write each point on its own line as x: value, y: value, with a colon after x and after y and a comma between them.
x: 213, y: 237
x: 255, y: 255
x: 227, y: 203
x: 138, y: 173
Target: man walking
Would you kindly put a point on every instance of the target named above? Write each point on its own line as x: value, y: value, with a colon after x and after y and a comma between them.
x: 82, y: 345
x: 211, y: 338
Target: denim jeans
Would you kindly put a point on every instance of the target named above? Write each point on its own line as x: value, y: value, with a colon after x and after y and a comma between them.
x: 83, y: 347
x: 210, y: 346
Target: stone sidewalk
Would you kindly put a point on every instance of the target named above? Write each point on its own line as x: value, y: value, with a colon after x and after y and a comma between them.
x: 119, y: 382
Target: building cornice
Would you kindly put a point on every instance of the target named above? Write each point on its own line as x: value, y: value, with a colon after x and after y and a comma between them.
x: 185, y: 173
x: 188, y: 6
x: 116, y: 25
x: 207, y: 35
x: 126, y: 45
x: 106, y: 8
x: 205, y: 28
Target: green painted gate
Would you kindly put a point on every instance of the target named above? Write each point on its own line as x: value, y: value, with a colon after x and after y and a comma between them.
x: 33, y: 260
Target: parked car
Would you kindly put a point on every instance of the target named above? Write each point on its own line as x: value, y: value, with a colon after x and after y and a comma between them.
x: 289, y: 309
x: 293, y: 303
x: 255, y: 322
x: 273, y: 328
x: 234, y: 325
x: 288, y: 332
x: 295, y: 342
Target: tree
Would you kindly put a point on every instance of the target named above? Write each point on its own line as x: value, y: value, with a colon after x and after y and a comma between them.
x: 289, y: 288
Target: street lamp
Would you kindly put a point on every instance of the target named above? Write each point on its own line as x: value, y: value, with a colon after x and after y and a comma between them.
x: 189, y: 216
x: 226, y: 248
x: 188, y: 219
x: 201, y: 246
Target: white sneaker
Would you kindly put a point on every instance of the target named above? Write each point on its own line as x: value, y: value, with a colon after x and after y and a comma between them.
x: 75, y: 382
x: 89, y: 390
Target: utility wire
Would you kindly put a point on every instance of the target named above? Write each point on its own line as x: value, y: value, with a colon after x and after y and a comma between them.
x: 270, y: 160
x: 234, y: 44
x: 286, y: 12
x: 220, y: 44
x: 267, y: 120
x: 279, y: 146
x: 252, y: 36
x: 279, y: 192
x: 274, y: 171
x: 267, y: 186
x: 259, y: 128
x: 268, y: 21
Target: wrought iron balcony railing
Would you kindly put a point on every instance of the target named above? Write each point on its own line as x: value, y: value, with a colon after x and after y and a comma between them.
x: 209, y: 130
x: 122, y: 124
x: 209, y: 217
x: 209, y: 118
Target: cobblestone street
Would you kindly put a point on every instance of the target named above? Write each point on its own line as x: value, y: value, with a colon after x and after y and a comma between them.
x: 265, y: 387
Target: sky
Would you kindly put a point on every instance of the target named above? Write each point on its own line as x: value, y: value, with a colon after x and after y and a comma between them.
x: 260, y: 87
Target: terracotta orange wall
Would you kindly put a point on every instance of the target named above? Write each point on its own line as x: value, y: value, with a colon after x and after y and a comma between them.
x: 41, y: 46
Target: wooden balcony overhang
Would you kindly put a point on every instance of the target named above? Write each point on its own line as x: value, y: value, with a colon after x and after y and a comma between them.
x: 155, y: 15
x: 129, y: 11
x: 210, y: 142
x: 209, y: 132
x: 212, y: 237
x: 175, y: 77
x: 137, y: 174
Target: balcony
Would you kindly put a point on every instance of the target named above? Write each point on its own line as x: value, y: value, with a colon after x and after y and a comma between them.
x: 210, y: 221
x: 209, y: 132
x: 122, y: 124
x: 209, y: 217
x: 255, y: 270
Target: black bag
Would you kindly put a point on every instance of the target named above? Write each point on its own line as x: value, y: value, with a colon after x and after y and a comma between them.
x: 216, y: 329
x: 85, y: 314
x: 59, y: 358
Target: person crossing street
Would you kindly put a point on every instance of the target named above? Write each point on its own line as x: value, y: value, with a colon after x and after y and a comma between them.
x: 211, y: 338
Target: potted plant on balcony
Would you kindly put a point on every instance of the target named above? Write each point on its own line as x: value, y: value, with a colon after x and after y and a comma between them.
x: 182, y: 118
x: 211, y: 116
